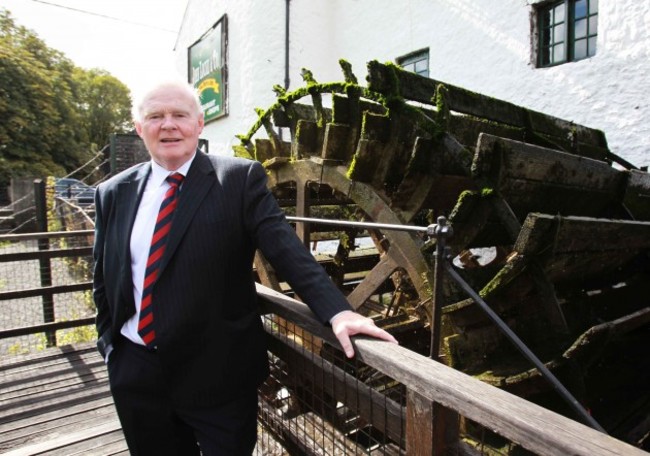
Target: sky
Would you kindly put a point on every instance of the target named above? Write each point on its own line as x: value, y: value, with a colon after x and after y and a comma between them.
x: 131, y: 39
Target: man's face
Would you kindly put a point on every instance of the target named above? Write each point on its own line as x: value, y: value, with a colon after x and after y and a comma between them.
x: 170, y: 126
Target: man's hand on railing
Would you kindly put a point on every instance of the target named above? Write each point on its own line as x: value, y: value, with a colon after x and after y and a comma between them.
x: 349, y: 323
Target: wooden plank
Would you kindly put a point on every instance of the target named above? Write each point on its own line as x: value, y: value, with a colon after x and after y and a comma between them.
x: 90, y: 432
x: 538, y: 179
x: 430, y: 428
x: 57, y: 402
x: 573, y: 235
x: 32, y: 369
x: 306, y: 140
x: 335, y: 146
x: 391, y: 80
x: 43, y: 235
x: 56, y: 253
x: 503, y: 158
x: 109, y: 444
x: 17, y: 428
x: 46, y: 384
x: 298, y: 111
x: 21, y: 368
x: 375, y: 278
x: 637, y: 194
x: 366, y: 159
x: 342, y: 105
x: 59, y: 425
x: 40, y: 291
x: 12, y: 362
x: 61, y: 399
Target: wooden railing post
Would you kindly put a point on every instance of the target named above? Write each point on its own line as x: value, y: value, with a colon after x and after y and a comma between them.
x: 431, y: 429
x: 40, y: 203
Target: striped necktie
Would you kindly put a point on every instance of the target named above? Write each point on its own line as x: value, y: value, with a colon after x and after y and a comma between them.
x: 158, y: 242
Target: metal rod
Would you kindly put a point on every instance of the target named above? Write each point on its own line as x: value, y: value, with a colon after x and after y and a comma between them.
x: 441, y: 233
x: 505, y: 329
x: 380, y: 226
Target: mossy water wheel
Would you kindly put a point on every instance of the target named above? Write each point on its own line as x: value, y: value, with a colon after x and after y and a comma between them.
x: 549, y: 232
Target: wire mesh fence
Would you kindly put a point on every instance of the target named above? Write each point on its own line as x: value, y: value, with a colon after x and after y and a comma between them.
x: 44, y: 280
x: 316, y: 401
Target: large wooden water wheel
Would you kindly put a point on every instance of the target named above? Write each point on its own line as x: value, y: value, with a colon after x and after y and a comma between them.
x: 548, y: 224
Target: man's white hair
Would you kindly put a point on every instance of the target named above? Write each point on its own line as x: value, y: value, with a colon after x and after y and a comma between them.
x: 138, y: 106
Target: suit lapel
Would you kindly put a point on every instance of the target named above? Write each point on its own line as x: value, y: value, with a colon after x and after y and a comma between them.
x: 198, y: 182
x: 129, y: 194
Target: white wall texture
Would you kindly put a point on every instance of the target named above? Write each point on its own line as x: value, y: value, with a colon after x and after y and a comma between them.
x: 482, y: 45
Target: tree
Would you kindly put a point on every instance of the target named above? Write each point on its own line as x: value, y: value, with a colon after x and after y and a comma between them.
x: 106, y: 105
x: 55, y: 115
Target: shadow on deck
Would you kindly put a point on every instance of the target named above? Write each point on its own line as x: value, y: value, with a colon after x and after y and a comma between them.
x: 57, y: 402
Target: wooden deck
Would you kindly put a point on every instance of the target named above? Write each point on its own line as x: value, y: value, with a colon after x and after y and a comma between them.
x: 57, y: 402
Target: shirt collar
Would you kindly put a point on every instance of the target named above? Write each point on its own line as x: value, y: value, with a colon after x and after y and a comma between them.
x: 159, y: 174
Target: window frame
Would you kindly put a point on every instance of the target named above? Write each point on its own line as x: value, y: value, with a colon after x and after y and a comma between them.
x: 412, y: 58
x: 568, y: 39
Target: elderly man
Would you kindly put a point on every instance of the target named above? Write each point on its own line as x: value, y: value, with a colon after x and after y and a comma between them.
x: 176, y: 304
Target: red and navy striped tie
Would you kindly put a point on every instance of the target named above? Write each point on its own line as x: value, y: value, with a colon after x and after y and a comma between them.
x: 158, y: 242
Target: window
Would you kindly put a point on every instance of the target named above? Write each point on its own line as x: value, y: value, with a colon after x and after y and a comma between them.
x: 567, y: 31
x: 417, y: 62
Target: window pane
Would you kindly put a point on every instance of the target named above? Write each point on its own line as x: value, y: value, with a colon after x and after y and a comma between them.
x: 421, y: 65
x: 558, y: 33
x: 593, y: 25
x: 559, y: 13
x: 581, y: 28
x: 580, y: 9
x: 593, y: 6
x: 558, y: 53
x: 408, y: 66
x: 592, y: 46
x: 580, y: 49
x: 416, y: 63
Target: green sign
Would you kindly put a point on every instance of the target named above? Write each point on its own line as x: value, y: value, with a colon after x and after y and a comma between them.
x: 207, y: 74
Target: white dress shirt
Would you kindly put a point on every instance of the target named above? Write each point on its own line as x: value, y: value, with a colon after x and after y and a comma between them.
x: 143, y: 228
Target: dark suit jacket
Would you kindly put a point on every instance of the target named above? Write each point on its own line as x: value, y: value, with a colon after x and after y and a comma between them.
x: 208, y: 331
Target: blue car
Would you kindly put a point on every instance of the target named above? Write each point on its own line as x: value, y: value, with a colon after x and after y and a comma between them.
x: 74, y: 190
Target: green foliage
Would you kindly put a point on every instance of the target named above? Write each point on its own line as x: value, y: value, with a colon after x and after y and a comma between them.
x: 54, y: 114
x: 106, y: 104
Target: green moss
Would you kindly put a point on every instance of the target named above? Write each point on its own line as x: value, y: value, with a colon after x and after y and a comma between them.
x: 350, y: 174
x: 279, y: 90
x: 463, y: 206
x: 441, y: 105
x: 347, y: 72
x: 314, y: 89
x: 308, y: 77
x: 394, y: 79
x: 508, y: 273
x: 487, y: 192
x: 241, y: 151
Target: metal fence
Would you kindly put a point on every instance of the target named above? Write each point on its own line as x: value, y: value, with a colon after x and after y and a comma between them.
x: 45, y: 290
x: 316, y: 401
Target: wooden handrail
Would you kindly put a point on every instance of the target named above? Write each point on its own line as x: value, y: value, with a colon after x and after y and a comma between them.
x: 529, y: 425
x: 45, y: 235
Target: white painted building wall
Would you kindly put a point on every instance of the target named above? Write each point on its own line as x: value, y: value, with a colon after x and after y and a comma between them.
x: 482, y: 45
